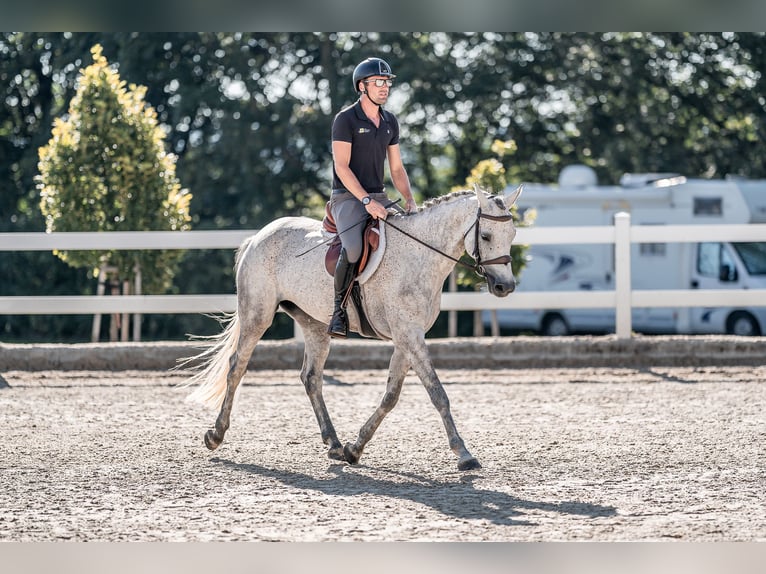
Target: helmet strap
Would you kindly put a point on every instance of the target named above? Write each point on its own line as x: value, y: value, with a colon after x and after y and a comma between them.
x: 365, y: 93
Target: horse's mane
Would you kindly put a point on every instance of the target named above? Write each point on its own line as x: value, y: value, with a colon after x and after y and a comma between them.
x: 455, y: 195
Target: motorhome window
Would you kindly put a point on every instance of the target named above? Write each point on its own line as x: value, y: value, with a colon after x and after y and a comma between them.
x: 708, y: 206
x: 653, y: 249
x: 753, y: 255
x: 564, y: 263
x: 708, y: 259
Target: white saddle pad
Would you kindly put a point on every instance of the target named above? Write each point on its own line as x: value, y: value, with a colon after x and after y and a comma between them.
x: 375, y: 256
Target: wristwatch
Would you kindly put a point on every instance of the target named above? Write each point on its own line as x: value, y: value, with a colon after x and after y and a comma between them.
x: 366, y: 200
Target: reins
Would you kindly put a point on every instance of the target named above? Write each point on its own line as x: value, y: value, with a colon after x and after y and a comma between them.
x: 431, y: 247
x: 477, y: 267
x: 350, y: 227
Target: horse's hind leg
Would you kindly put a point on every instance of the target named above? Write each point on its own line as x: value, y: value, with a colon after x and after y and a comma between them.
x: 316, y: 350
x: 421, y: 362
x: 398, y: 368
x: 251, y: 331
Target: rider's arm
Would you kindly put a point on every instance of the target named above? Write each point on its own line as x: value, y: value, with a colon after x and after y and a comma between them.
x: 399, y: 176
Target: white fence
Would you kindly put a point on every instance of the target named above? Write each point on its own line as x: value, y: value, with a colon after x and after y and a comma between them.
x: 622, y: 298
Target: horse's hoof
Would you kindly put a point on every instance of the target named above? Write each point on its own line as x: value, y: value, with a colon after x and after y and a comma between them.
x: 336, y: 453
x: 349, y: 455
x: 470, y: 464
x: 211, y: 440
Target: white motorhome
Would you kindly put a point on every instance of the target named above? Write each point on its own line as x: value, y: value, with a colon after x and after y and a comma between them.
x: 651, y: 199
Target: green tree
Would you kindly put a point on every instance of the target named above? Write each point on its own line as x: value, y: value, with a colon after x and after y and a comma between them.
x: 105, y: 169
x: 248, y: 115
x: 490, y: 175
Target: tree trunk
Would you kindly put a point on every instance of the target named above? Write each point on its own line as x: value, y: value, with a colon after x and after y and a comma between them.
x: 478, y: 326
x: 452, y: 315
x: 114, y: 323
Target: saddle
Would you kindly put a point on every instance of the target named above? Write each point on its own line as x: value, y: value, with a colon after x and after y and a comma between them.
x: 371, y: 243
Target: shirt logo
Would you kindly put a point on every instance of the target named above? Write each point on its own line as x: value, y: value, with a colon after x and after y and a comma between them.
x: 364, y: 130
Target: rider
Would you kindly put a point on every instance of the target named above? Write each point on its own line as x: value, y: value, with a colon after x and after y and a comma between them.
x: 363, y: 135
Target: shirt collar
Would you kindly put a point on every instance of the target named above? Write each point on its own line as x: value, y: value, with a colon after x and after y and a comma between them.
x: 362, y: 116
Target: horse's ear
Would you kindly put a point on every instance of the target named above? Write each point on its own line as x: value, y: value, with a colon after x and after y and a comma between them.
x: 511, y: 198
x: 481, y: 196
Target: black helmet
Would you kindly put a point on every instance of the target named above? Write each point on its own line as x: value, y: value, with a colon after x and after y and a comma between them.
x: 371, y: 67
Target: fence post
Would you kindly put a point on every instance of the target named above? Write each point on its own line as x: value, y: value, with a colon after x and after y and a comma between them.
x: 95, y: 333
x: 622, y: 281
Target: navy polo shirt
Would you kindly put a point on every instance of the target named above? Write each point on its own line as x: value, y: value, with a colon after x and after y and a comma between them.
x: 369, y: 145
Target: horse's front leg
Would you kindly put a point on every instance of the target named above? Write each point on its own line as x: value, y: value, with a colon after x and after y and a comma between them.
x: 398, y: 368
x: 421, y: 363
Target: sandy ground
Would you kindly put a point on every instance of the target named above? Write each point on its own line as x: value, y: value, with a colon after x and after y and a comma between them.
x: 568, y: 454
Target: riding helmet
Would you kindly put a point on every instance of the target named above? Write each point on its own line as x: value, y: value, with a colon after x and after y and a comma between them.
x: 371, y: 67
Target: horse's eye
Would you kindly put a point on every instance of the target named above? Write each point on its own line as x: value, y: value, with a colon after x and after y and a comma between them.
x: 486, y: 236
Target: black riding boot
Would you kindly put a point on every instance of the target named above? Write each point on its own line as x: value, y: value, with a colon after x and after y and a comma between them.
x: 344, y: 276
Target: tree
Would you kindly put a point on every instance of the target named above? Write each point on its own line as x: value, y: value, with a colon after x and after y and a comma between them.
x: 248, y: 115
x: 490, y: 175
x: 105, y: 169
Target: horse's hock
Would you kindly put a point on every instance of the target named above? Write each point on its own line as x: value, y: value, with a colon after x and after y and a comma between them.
x: 458, y: 353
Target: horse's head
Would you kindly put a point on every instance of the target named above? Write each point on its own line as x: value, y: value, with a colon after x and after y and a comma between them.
x: 489, y: 240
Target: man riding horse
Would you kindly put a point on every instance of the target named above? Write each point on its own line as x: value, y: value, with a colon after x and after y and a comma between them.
x: 363, y: 135
x: 278, y: 268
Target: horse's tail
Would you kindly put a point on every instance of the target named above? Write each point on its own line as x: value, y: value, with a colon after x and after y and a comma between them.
x: 214, y: 368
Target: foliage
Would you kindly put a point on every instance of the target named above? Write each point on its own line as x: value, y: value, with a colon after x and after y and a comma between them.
x: 489, y: 175
x: 105, y: 169
x: 248, y: 116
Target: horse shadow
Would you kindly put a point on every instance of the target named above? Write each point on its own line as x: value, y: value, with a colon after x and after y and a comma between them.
x: 458, y: 499
x: 668, y: 377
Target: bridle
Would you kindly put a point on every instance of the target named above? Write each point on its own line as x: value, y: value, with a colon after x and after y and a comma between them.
x: 478, y: 266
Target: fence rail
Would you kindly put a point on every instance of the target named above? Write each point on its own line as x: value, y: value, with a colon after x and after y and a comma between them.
x: 622, y: 298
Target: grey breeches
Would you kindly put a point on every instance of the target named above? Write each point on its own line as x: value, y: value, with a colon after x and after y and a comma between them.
x: 347, y: 211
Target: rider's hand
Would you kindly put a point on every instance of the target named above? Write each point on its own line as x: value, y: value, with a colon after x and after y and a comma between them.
x: 376, y: 210
x: 410, y: 206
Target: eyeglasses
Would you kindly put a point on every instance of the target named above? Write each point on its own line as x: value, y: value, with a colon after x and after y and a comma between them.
x: 379, y: 83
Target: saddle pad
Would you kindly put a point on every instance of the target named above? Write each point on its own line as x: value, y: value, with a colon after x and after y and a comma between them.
x: 375, y: 256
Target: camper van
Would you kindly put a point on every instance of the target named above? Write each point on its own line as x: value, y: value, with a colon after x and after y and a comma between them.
x: 651, y: 199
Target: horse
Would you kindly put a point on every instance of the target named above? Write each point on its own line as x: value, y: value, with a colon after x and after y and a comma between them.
x: 280, y: 266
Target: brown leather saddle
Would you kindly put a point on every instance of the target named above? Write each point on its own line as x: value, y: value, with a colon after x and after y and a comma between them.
x: 371, y: 242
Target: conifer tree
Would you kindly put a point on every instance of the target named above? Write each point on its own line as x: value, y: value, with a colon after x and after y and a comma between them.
x: 105, y: 168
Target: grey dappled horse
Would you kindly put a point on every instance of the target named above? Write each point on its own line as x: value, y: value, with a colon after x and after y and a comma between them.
x: 401, y: 298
